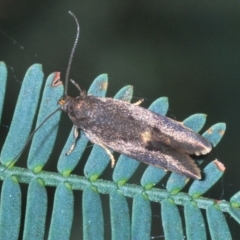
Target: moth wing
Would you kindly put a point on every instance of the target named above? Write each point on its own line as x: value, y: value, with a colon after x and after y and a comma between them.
x: 158, y: 128
x: 142, y: 134
x: 182, y: 139
x: 111, y: 118
x: 170, y: 159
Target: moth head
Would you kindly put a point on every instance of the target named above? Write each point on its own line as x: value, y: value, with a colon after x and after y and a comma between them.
x: 64, y: 102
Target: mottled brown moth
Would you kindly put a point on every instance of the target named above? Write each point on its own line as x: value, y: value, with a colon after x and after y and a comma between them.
x: 134, y: 131
x: 131, y: 130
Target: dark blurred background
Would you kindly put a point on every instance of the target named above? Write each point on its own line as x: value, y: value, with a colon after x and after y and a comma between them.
x: 189, y: 52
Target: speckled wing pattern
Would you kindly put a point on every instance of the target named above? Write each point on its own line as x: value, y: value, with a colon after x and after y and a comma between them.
x: 139, y: 133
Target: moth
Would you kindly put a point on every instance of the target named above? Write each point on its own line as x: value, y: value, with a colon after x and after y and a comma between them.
x: 134, y: 131
x: 131, y: 130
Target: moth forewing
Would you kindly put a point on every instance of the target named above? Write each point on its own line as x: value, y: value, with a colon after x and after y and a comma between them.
x: 138, y: 133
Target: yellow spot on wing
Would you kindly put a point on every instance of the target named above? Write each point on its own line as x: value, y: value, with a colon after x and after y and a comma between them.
x: 146, y: 136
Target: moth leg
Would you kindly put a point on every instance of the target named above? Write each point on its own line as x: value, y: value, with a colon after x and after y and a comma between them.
x: 109, y: 153
x: 76, y: 85
x: 138, y: 102
x: 75, y: 136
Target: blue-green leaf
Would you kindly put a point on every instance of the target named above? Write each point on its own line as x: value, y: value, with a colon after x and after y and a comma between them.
x: 141, y: 217
x: 3, y: 82
x: 24, y: 114
x: 10, y: 209
x: 62, y: 214
x: 212, y: 172
x: 195, y: 225
x: 92, y: 214
x: 44, y: 139
x: 217, y: 224
x: 120, y: 217
x: 36, y: 210
x: 171, y: 220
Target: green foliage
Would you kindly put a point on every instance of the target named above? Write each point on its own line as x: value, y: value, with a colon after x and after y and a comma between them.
x: 124, y: 225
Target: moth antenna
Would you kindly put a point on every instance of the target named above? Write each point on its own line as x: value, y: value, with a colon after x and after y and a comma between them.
x: 30, y: 137
x: 72, y: 53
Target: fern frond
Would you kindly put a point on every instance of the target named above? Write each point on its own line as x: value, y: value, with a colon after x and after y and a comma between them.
x: 124, y: 225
